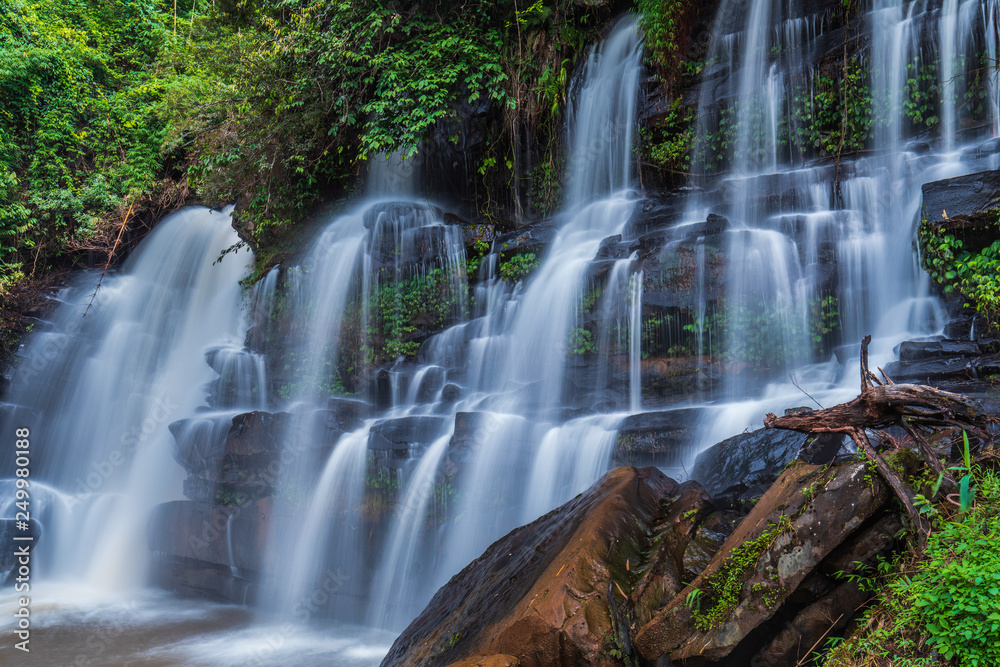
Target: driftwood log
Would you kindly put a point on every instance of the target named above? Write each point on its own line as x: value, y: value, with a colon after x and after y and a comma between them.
x: 918, y: 409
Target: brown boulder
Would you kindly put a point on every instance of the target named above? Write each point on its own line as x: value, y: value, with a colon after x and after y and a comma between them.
x: 825, y: 617
x: 488, y: 661
x: 802, y: 518
x: 662, y: 570
x: 540, y: 593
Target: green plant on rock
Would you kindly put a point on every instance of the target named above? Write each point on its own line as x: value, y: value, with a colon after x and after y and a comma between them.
x: 580, y: 342
x: 545, y: 185
x: 824, y: 320
x: 661, y: 22
x: 667, y: 145
x: 720, y: 592
x: 474, y: 259
x: 976, y: 275
x: 519, y: 267
x: 424, y: 302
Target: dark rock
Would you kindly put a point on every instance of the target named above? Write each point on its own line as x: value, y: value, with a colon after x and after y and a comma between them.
x: 533, y: 238
x: 923, y: 350
x: 612, y: 248
x: 404, y: 433
x: 863, y: 547
x: 961, y: 328
x: 655, y: 438
x: 966, y: 206
x: 706, y: 542
x: 827, y: 616
x: 847, y: 353
x: 804, y: 516
x: 348, y: 413
x: 757, y: 458
x: 450, y: 393
x: 680, y: 272
x: 663, y: 574
x: 656, y: 214
x: 929, y: 371
x: 985, y: 149
x: 680, y: 376
x: 832, y: 606
x: 234, y: 538
x: 540, y: 593
x: 773, y: 193
x: 471, y: 427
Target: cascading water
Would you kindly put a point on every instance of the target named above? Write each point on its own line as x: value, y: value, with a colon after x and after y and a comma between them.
x: 504, y: 368
x: 817, y: 243
x: 109, y: 373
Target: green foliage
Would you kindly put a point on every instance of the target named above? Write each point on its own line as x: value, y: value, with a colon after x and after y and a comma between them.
x: 943, y: 608
x: 421, y: 303
x: 722, y: 590
x: 834, y: 114
x: 921, y: 95
x: 545, y: 189
x: 824, y: 320
x: 580, y: 342
x: 314, y: 86
x: 519, y: 267
x: 668, y: 144
x: 976, y: 275
x: 78, y: 132
x: 473, y: 260
x: 661, y: 24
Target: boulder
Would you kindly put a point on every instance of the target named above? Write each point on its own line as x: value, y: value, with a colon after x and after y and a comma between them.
x: 540, y: 594
x: 756, y: 459
x: 837, y: 605
x: 803, y: 517
x: 405, y: 432
x: 910, y: 351
x: 655, y: 438
x: 488, y: 661
x: 827, y: 616
x: 711, y: 534
x: 532, y: 238
x: 931, y: 371
x: 679, y: 376
x: 204, y: 550
x: 661, y: 568
x: 966, y: 206
x: 657, y: 213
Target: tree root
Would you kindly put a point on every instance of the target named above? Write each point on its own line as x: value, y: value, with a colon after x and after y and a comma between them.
x: 914, y: 408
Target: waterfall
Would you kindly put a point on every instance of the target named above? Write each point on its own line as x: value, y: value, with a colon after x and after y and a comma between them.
x: 806, y: 234
x: 635, y: 342
x: 109, y: 373
x: 416, y: 421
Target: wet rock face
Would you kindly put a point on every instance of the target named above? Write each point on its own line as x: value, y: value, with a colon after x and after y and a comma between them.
x: 966, y: 206
x: 209, y: 551
x: 655, y: 438
x: 611, y: 573
x: 540, y: 594
x: 963, y: 366
x: 804, y: 517
x: 755, y: 460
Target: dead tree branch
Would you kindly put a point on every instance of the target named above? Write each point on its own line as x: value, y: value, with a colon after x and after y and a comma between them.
x: 915, y: 408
